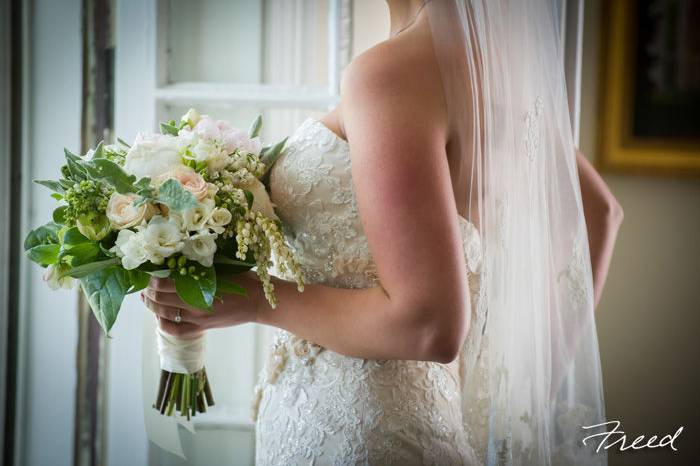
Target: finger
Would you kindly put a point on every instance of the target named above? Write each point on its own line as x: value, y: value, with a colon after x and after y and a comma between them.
x: 165, y: 297
x: 171, y: 313
x: 183, y: 329
x: 162, y: 284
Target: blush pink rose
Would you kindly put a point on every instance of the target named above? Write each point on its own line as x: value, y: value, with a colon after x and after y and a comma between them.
x: 190, y: 180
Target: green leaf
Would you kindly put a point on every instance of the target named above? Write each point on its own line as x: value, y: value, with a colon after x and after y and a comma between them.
x: 172, y: 194
x: 249, y: 197
x: 92, y: 267
x: 197, y: 293
x: 111, y: 173
x: 123, y: 143
x: 80, y: 254
x: 52, y: 185
x: 57, y: 196
x: 105, y: 291
x: 225, y: 286
x: 59, y: 214
x: 218, y: 259
x: 45, y: 234
x: 255, y: 127
x: 139, y: 280
x: 73, y: 236
x: 44, y: 254
x: 167, y: 128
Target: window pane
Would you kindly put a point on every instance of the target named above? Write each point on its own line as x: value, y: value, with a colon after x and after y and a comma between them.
x: 283, y: 42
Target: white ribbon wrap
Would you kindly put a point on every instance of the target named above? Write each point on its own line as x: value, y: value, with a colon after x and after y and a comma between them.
x: 180, y: 355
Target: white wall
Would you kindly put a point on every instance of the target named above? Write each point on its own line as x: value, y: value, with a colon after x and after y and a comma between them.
x: 48, y: 364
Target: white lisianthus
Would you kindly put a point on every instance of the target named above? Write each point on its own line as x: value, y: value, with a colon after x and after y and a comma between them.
x: 51, y: 277
x: 201, y: 247
x: 130, y: 246
x: 192, y: 117
x: 162, y: 238
x: 261, y: 200
x: 195, y: 218
x: 153, y: 155
x: 218, y: 220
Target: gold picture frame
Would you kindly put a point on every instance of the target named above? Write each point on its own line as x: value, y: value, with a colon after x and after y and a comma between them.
x: 620, y: 149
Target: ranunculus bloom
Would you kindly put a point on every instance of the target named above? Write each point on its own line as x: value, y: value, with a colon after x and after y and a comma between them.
x: 122, y: 213
x: 153, y: 155
x: 190, y: 180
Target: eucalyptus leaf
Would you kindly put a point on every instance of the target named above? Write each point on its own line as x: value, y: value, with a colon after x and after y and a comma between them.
x: 111, y: 173
x: 197, y: 293
x: 105, y: 291
x: 44, y: 254
x: 52, y: 185
x: 255, y: 127
x: 172, y: 194
x: 270, y: 154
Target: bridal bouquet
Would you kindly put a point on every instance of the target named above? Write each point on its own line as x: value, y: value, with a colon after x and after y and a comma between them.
x: 189, y: 204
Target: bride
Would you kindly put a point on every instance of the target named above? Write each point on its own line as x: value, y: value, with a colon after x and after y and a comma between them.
x: 439, y: 221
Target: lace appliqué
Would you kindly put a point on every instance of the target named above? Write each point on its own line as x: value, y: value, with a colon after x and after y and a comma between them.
x: 574, y: 274
x: 532, y: 129
x: 315, y: 406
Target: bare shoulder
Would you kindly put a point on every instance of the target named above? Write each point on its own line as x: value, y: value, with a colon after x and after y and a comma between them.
x: 398, y: 78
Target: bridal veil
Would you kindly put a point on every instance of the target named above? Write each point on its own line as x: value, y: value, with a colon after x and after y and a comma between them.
x: 514, y: 174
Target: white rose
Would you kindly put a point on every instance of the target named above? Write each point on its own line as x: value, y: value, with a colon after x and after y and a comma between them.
x: 153, y: 155
x: 131, y: 248
x: 195, y: 218
x: 201, y: 248
x: 219, y: 219
x: 162, y: 238
x: 261, y: 200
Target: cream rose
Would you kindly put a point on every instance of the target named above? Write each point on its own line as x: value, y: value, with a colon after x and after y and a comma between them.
x: 190, y: 180
x: 122, y: 213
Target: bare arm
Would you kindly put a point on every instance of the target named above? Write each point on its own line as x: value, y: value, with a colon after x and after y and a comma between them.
x: 603, y: 218
x: 405, y: 201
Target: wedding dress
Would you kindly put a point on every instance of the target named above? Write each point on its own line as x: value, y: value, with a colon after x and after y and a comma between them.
x: 315, y: 406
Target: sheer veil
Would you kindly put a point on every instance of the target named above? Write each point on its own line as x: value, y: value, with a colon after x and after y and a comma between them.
x: 512, y: 161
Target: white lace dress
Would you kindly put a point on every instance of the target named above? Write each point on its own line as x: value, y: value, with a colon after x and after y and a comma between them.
x: 315, y: 406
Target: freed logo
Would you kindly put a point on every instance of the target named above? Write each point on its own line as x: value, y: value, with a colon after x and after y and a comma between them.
x: 616, y: 436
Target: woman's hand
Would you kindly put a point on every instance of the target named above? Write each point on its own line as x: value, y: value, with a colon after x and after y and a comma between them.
x: 161, y: 298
